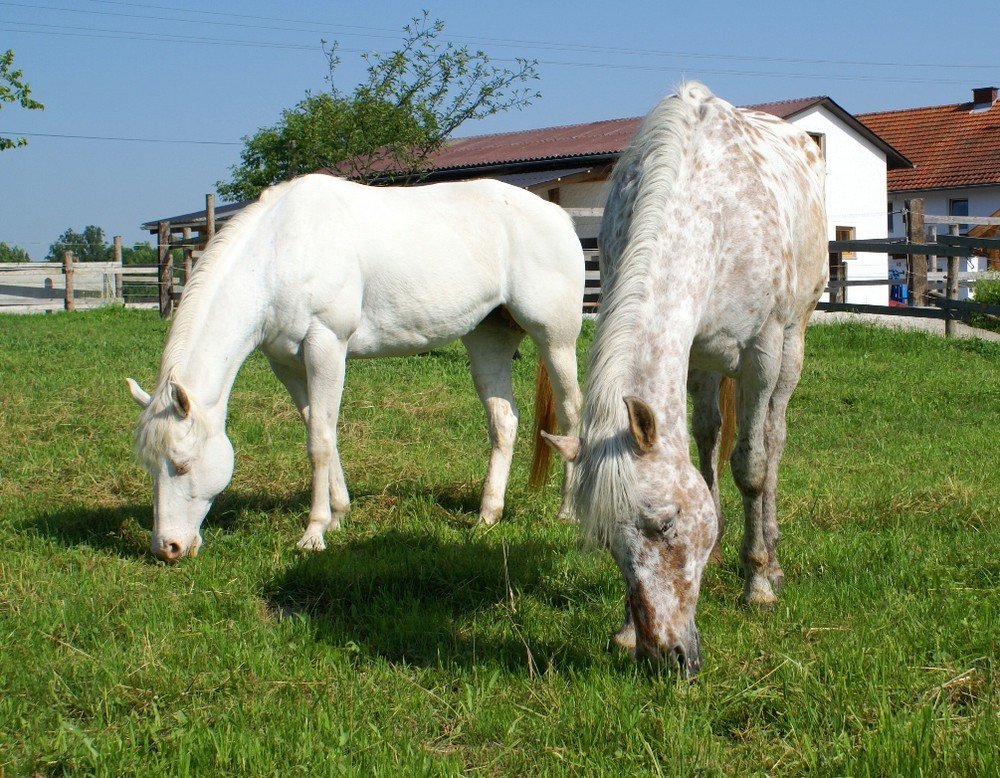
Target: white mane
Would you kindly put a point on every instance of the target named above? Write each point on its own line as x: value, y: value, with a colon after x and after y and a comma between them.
x: 605, y: 484
x: 157, y: 428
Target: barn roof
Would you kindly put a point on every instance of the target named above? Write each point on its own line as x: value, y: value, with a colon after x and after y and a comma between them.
x: 603, y: 140
x: 956, y: 145
x: 530, y: 157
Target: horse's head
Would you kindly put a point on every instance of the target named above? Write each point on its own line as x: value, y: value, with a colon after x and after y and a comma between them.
x: 660, y: 535
x: 190, y: 461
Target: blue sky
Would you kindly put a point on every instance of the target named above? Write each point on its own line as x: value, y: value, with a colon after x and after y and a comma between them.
x: 146, y: 102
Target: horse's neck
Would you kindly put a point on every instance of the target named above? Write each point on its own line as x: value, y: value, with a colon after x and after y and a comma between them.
x: 644, y: 354
x: 661, y: 367
x: 212, y: 335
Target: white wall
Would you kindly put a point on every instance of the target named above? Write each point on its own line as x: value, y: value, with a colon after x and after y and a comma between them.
x: 855, y: 197
x: 983, y: 201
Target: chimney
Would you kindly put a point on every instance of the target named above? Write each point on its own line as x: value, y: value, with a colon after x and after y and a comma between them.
x: 984, y: 97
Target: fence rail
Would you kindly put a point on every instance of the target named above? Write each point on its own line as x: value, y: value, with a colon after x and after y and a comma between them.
x: 69, y: 285
x: 44, y: 287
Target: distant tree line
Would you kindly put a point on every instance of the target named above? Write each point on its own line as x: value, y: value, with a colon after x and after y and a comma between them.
x: 87, y: 246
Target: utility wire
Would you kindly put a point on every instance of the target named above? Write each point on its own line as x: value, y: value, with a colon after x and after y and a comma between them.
x: 118, y: 139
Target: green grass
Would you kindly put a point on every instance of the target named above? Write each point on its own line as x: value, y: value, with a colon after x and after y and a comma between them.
x: 420, y: 644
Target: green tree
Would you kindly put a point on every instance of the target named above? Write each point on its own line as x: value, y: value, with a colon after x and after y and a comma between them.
x: 140, y: 254
x: 13, y: 89
x: 87, y: 246
x: 13, y: 254
x: 413, y: 99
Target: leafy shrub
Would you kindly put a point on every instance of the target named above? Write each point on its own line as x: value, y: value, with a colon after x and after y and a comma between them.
x: 987, y: 293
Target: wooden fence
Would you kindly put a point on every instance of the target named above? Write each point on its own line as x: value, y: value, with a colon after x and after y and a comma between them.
x: 931, y: 294
x: 70, y: 285
x: 44, y: 287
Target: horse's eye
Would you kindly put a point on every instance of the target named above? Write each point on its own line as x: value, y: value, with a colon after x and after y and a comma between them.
x: 662, y: 523
x: 182, y: 468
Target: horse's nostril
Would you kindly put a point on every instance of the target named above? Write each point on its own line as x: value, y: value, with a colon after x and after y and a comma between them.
x: 169, y: 552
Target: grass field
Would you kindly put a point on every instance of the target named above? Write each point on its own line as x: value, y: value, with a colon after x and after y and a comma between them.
x: 421, y: 644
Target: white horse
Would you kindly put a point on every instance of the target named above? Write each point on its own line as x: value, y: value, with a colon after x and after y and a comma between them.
x: 320, y: 270
x: 713, y: 255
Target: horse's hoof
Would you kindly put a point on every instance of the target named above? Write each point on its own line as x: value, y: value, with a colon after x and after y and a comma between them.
x: 625, y: 638
x: 760, y: 602
x: 311, y: 543
x: 777, y: 583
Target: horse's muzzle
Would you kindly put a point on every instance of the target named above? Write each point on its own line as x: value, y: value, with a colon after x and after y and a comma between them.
x: 172, y: 550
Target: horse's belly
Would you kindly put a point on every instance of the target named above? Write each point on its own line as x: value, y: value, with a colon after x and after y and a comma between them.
x: 403, y: 332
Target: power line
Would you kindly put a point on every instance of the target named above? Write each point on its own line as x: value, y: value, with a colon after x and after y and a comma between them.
x: 504, y: 42
x: 647, y: 67
x: 118, y: 139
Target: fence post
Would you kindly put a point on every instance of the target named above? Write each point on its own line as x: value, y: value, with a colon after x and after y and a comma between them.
x: 188, y: 253
x: 209, y: 217
x: 166, y: 266
x: 69, y: 303
x: 119, y: 294
x: 916, y: 276
x: 951, y: 285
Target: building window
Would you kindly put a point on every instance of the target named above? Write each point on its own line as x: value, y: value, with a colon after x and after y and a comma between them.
x: 891, y: 222
x: 846, y: 233
x: 959, y: 207
x: 820, y: 139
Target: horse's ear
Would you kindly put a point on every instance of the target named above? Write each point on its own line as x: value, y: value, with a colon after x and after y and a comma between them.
x: 182, y: 402
x: 141, y: 397
x: 642, y: 424
x: 564, y: 445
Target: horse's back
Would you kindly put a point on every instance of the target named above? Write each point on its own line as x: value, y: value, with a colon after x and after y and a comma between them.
x: 401, y: 270
x: 727, y: 206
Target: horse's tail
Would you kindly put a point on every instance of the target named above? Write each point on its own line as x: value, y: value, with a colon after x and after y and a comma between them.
x: 727, y: 407
x: 545, y: 419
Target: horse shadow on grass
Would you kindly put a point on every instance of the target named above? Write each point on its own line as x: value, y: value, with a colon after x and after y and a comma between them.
x: 419, y: 596
x: 124, y: 530
x: 430, y: 599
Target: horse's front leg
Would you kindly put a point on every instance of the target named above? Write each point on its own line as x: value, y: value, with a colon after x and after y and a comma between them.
x: 325, y: 357
x: 774, y: 437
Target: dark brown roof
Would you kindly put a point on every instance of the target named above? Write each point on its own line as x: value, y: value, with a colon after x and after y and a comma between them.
x: 601, y: 141
x: 605, y: 138
x: 950, y: 145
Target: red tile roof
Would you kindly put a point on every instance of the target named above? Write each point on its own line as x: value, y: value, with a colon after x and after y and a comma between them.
x: 949, y: 145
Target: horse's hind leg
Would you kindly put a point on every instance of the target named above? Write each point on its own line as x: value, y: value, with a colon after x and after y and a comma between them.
x: 559, y: 358
x: 325, y: 357
x: 750, y: 461
x: 706, y: 423
x: 491, y: 348
x: 775, y: 431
